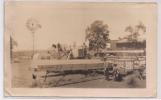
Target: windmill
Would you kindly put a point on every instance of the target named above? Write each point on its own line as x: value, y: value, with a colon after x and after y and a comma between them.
x: 33, y: 25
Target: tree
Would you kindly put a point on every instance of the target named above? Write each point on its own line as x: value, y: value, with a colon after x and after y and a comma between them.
x: 131, y: 30
x: 134, y: 32
x: 98, y: 35
x: 13, y: 43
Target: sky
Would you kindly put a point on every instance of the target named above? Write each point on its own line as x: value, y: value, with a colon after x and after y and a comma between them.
x: 65, y: 23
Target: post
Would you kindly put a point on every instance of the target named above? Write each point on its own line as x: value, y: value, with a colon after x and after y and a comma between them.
x: 33, y: 40
x: 11, y: 47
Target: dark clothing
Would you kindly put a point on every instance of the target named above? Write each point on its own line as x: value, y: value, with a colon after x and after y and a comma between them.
x: 118, y: 76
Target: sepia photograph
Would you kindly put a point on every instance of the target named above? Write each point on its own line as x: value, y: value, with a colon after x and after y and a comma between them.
x: 60, y: 45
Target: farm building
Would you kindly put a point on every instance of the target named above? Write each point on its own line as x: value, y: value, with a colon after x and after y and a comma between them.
x: 126, y: 45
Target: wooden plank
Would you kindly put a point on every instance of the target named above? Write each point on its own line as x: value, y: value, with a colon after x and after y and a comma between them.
x: 123, y: 51
x: 65, y: 62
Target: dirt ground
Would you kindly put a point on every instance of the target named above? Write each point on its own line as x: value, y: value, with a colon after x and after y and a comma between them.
x: 22, y: 77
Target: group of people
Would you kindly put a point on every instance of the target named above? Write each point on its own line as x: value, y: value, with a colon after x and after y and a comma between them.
x: 112, y: 72
x: 60, y: 52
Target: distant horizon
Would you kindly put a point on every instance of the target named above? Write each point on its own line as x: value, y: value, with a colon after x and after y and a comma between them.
x: 65, y: 23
